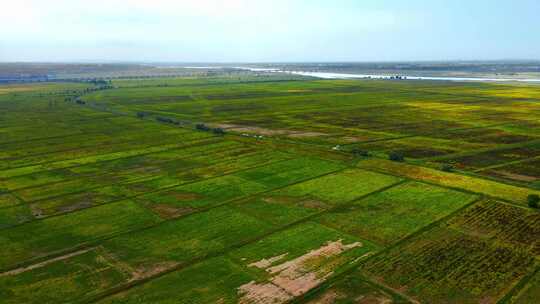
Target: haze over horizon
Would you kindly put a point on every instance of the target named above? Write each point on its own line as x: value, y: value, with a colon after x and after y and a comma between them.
x: 268, y: 31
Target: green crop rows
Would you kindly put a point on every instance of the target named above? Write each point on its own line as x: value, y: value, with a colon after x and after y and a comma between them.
x: 238, y: 190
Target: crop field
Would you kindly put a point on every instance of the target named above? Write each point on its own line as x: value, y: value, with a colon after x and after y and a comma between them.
x: 269, y: 189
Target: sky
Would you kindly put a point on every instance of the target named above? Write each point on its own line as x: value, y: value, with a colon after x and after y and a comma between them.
x: 268, y: 30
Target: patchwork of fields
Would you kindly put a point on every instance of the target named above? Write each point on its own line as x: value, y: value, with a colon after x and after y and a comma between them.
x: 284, y: 195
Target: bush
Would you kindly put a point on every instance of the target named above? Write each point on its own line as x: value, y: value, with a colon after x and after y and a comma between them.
x: 164, y: 119
x: 202, y: 127
x: 396, y: 156
x: 360, y: 152
x: 141, y: 115
x: 447, y: 168
x: 533, y: 200
x: 218, y: 131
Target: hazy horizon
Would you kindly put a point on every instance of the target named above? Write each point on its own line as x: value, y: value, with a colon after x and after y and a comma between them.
x: 241, y: 31
x: 196, y: 63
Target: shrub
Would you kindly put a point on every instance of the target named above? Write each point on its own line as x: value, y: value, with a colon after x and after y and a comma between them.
x: 396, y: 156
x: 360, y: 152
x: 202, y: 127
x: 164, y: 119
x: 141, y: 115
x: 218, y: 131
x: 533, y: 200
x: 447, y: 168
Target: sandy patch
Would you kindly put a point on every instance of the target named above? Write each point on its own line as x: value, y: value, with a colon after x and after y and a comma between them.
x: 185, y: 196
x: 84, y: 203
x: 297, y: 91
x: 329, y: 297
x: 260, y: 131
x: 167, y: 211
x: 314, y: 204
x: 306, y: 134
x: 373, y: 299
x: 248, y: 129
x: 149, y: 271
x: 353, y: 139
x: 295, y: 277
x: 266, y: 131
x: 265, y: 263
x: 258, y: 293
x: 280, y: 199
x: 515, y: 176
x: 37, y: 212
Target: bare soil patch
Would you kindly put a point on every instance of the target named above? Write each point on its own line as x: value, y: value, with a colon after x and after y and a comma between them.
x: 85, y: 202
x: 329, y: 297
x: 266, y: 131
x: 262, y: 293
x: 148, y: 271
x: 185, y: 196
x: 307, y: 134
x: 266, y: 263
x: 168, y: 212
x: 515, y: 176
x: 295, y: 277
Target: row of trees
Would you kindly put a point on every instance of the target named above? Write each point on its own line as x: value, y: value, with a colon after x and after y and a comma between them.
x: 199, y: 126
x: 203, y: 127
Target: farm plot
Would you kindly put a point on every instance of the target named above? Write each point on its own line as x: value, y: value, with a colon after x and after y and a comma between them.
x: 354, y: 288
x: 56, y: 235
x: 439, y: 121
x: 210, y: 192
x: 146, y: 140
x: 84, y: 191
x: 525, y: 172
x: 292, y: 262
x: 181, y: 241
x: 530, y: 293
x: 452, y: 180
x: 388, y: 216
x: 274, y: 269
x: 118, y: 207
x: 15, y: 215
x: 503, y: 222
x: 298, y: 201
x: 8, y: 200
x: 66, y: 279
x: 495, y: 157
x: 213, y: 281
x: 446, y: 266
x: 135, y: 256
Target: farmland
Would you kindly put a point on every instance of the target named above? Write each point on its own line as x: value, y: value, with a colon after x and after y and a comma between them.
x: 273, y: 188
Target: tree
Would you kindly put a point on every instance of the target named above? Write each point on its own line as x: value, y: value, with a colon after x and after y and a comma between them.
x: 360, y: 152
x: 533, y: 200
x: 396, y: 156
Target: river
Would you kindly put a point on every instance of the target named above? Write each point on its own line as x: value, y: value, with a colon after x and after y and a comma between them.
x: 329, y: 75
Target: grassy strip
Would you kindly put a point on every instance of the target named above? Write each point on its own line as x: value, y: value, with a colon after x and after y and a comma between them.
x: 236, y: 246
x: 475, y: 185
x: 353, y: 266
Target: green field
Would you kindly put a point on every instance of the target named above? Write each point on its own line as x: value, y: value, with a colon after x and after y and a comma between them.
x: 245, y: 188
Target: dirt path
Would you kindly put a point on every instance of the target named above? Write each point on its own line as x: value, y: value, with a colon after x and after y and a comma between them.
x: 45, y: 263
